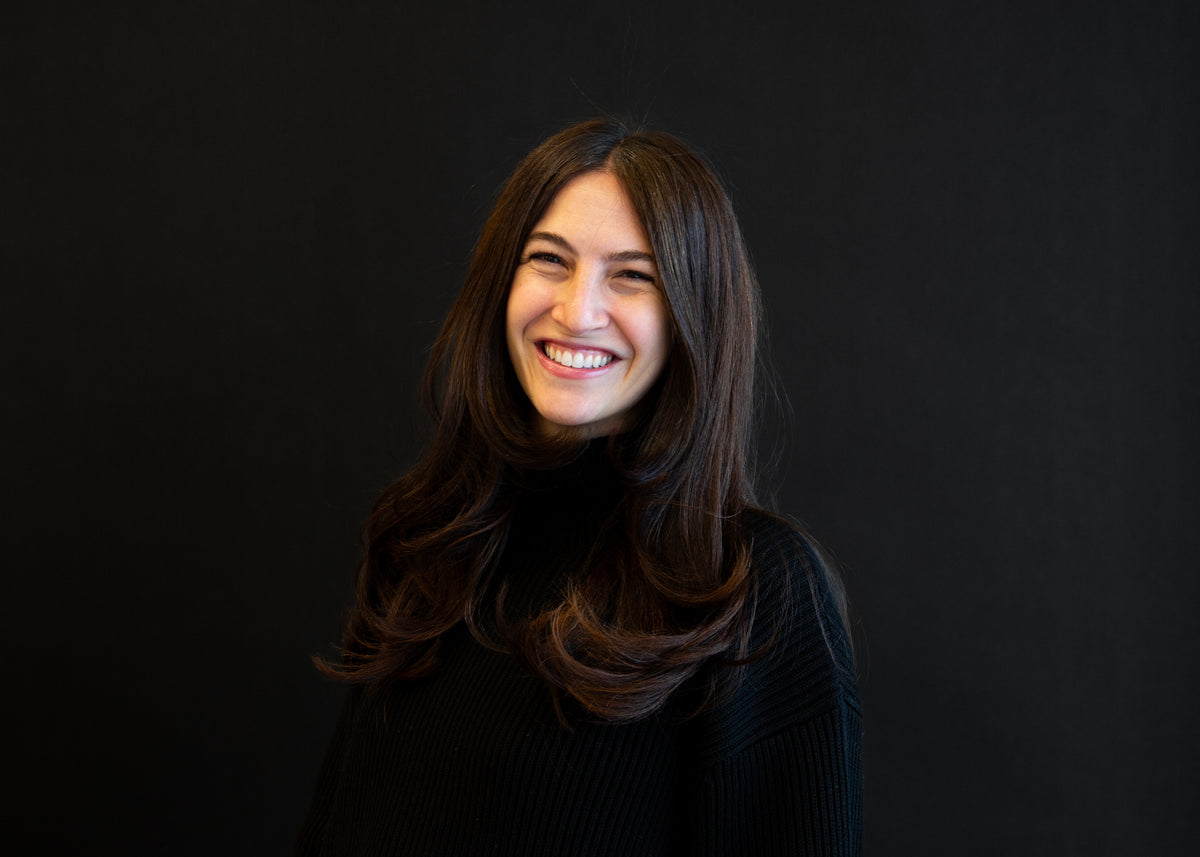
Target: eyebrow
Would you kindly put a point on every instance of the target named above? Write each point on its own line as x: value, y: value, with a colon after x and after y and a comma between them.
x: 622, y: 256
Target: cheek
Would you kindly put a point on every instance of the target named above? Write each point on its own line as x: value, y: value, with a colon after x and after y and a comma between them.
x: 514, y: 319
x: 654, y: 334
x: 523, y: 306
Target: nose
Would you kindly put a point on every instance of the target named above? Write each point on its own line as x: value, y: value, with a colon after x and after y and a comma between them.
x: 581, y: 303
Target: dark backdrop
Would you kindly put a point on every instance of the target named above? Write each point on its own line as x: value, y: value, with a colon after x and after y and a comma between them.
x: 230, y: 232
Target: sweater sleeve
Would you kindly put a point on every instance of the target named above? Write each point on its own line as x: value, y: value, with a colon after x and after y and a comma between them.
x: 775, y: 768
x: 313, y: 838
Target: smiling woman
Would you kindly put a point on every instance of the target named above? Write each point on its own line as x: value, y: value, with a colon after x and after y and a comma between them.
x: 576, y: 632
x: 587, y: 326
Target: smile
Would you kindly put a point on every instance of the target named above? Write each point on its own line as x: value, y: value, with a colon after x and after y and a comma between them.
x: 576, y: 359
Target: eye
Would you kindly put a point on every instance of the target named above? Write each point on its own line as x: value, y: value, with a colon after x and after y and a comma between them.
x: 545, y: 257
x: 633, y: 281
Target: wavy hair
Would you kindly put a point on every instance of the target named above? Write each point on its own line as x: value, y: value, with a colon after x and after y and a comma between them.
x: 686, y: 594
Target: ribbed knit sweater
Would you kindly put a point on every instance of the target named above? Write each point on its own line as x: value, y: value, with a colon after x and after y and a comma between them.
x: 473, y: 760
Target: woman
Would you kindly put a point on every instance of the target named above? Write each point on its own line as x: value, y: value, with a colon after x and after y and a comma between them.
x: 575, y: 633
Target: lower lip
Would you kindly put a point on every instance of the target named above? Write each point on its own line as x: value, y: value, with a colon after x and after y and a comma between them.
x: 570, y: 371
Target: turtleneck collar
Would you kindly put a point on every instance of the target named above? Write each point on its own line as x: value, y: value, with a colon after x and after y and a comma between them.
x: 559, y: 516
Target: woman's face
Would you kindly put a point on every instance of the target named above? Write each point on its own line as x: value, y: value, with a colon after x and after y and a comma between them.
x: 587, y: 322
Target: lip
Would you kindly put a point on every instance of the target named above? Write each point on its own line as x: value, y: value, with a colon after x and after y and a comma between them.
x: 561, y: 371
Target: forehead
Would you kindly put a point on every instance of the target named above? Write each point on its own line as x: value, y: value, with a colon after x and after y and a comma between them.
x: 594, y: 205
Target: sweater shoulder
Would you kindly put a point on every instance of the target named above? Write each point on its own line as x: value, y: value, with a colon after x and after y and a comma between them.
x: 801, y: 663
x: 798, y: 589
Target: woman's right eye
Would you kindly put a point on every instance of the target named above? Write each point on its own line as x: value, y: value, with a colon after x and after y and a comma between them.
x: 543, y: 256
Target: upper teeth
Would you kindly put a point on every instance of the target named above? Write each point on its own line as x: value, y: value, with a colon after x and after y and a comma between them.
x: 577, y: 359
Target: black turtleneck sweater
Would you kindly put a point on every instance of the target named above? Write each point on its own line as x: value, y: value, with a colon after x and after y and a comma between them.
x: 472, y: 760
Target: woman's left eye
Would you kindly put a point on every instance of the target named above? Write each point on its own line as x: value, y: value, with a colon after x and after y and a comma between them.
x: 636, y: 275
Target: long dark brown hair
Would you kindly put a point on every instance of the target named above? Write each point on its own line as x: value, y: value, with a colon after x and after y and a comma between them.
x: 685, y: 592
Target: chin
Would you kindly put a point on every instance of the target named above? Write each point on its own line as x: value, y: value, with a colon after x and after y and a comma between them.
x: 577, y: 425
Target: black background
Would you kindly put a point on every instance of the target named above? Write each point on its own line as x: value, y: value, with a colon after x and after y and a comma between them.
x: 230, y: 233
